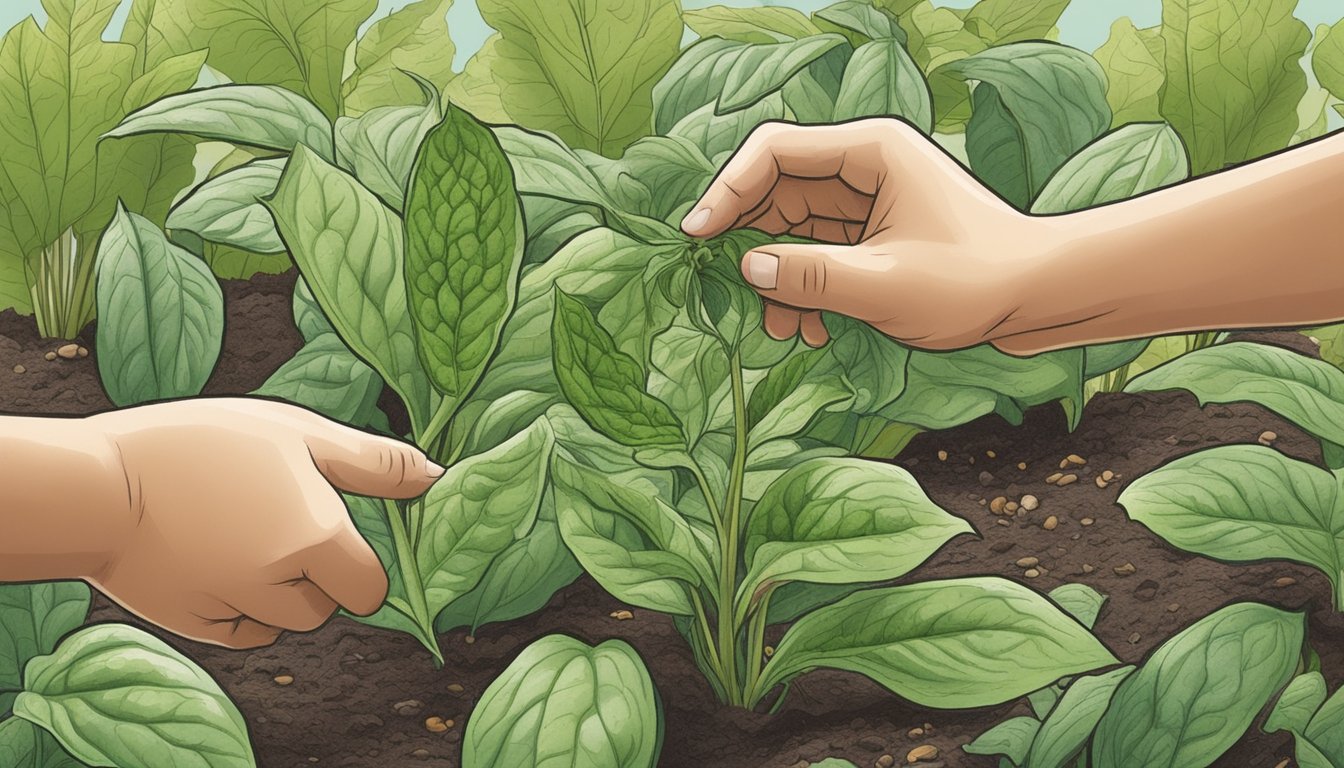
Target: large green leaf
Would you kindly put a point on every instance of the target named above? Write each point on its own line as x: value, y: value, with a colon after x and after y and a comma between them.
x: 477, y: 88
x: 1297, y: 704
x: 326, y: 377
x: 1035, y: 105
x: 1199, y: 692
x: 483, y: 505
x: 1011, y: 739
x: 583, y: 69
x: 716, y: 135
x: 161, y: 315
x: 759, y: 70
x: 843, y: 521
x: 348, y: 245
x: 769, y: 24
x: 563, y: 704
x: 413, y: 38
x: 862, y: 20
x: 464, y: 250
x: 1326, y: 730
x: 115, y: 695
x: 380, y: 145
x: 33, y: 617
x: 1070, y: 724
x: 1233, y: 77
x: 1000, y: 22
x: 946, y: 644
x: 1120, y: 165
x: 1135, y: 64
x: 882, y: 80
x: 1327, y: 62
x: 1245, y: 502
x: 24, y: 745
x: 227, y: 209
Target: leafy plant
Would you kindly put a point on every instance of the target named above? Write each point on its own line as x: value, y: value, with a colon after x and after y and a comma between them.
x: 107, y: 694
x: 565, y: 702
x: 1316, y: 722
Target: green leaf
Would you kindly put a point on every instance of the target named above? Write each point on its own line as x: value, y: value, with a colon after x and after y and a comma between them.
x: 605, y: 385
x: 1248, y: 55
x: 481, y: 507
x: 227, y: 209
x: 1134, y: 61
x: 689, y: 372
x: 1297, y: 704
x: 380, y: 145
x: 757, y: 71
x: 265, y: 116
x: 1080, y: 601
x: 24, y: 745
x: 562, y: 703
x: 1014, y: 142
x: 1200, y: 691
x: 1000, y: 22
x: 161, y: 315
x: 115, y: 695
x: 799, y: 407
x: 938, y: 37
x: 882, y: 80
x: 1244, y: 502
x: 477, y: 88
x: 326, y: 377
x: 349, y: 246
x: 769, y: 24
x: 583, y: 69
x: 1326, y: 731
x: 1122, y: 164
x: 33, y: 617
x: 1327, y: 62
x: 1071, y: 722
x: 1307, y: 392
x: 946, y: 644
x: 464, y: 250
x: 863, y: 18
x: 832, y: 762
x: 673, y: 169
x: 413, y: 38
x: 1011, y: 738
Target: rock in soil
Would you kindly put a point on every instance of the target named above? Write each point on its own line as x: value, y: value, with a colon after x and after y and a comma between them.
x: 67, y: 351
x: 924, y: 753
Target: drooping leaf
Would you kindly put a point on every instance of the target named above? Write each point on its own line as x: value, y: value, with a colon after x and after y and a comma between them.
x: 583, y: 69
x: 115, y: 695
x: 413, y: 38
x: 937, y: 37
x: 380, y: 145
x: 673, y: 169
x: 1200, y: 691
x: 33, y: 617
x: 768, y: 24
x: 1325, y: 732
x: 1011, y: 739
x: 759, y: 70
x: 947, y: 644
x: 161, y: 315
x: 1233, y: 78
x: 464, y: 250
x: 1297, y: 704
x: 1134, y: 61
x: 477, y: 88
x: 562, y: 703
x: 1070, y: 724
x: 227, y: 209
x: 1081, y: 601
x: 1122, y: 164
x: 882, y: 80
x: 717, y: 135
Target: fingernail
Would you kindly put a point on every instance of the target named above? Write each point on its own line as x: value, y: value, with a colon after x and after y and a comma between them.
x: 762, y: 270
x: 695, y: 221
x: 434, y: 470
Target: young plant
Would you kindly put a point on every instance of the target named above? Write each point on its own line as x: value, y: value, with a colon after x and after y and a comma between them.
x: 108, y: 694
x: 1316, y: 722
x: 667, y: 376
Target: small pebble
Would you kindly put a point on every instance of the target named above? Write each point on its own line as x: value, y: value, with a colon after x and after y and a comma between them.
x: 1022, y: 465
x: 1028, y: 562
x: 1076, y: 460
x: 1030, y: 503
x: 1003, y: 522
x: 885, y: 761
x: 1173, y: 440
x: 408, y: 708
x: 769, y: 651
x: 1284, y: 763
x: 1125, y: 570
x: 1087, y: 521
x: 437, y: 724
x: 19, y: 369
x: 986, y: 478
x: 1173, y: 607
x: 1063, y: 463
x: 1031, y: 573
x: 622, y: 615
x: 922, y: 754
x: 284, y: 679
x: 1135, y: 638
x: 1101, y: 483
x: 83, y: 351
x: 1268, y: 437
x: 469, y: 639
x: 1050, y: 523
x: 1066, y: 480
x: 1087, y: 568
x: 998, y: 505
x: 1010, y: 507
x: 991, y: 454
x: 1284, y: 581
x: 1108, y: 475
x: 1055, y: 478
x: 49, y: 356
x: 942, y: 455
x: 420, y: 754
x: 68, y: 351
x: 915, y: 733
x: 455, y: 688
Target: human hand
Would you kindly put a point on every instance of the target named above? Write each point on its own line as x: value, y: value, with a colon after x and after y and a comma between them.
x: 233, y: 529
x: 910, y: 242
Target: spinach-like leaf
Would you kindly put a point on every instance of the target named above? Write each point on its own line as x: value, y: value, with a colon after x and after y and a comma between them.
x: 947, y: 644
x: 464, y: 250
x: 1011, y: 738
x: 1120, y: 165
x: 326, y: 377
x: 161, y: 315
x: 115, y: 695
x: 862, y: 18
x: 1297, y: 704
x: 413, y: 38
x: 1000, y: 22
x: 717, y: 135
x: 1081, y: 601
x: 1200, y: 690
x: 1134, y: 61
x: 564, y: 703
x: 1327, y: 61
x: 759, y: 70
x: 24, y: 745
x: 380, y: 145
x: 882, y: 80
x: 1070, y: 724
x: 227, y: 209
x: 769, y: 24
x: 33, y: 617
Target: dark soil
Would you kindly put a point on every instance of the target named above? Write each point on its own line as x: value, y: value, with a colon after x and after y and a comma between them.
x: 360, y: 696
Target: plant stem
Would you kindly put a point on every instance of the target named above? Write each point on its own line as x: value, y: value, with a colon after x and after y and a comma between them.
x: 410, y: 579
x: 703, y: 620
x: 438, y: 423
x: 705, y: 490
x: 62, y: 289
x: 756, y: 645
x: 730, y: 530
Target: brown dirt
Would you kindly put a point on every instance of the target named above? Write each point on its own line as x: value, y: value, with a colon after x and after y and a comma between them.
x: 341, y: 709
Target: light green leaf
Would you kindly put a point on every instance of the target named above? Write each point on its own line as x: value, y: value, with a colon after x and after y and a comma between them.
x: 673, y: 169
x: 228, y: 209
x: 882, y: 80
x: 1000, y: 22
x: 370, y: 517
x: 833, y: 762
x: 326, y: 377
x: 413, y: 38
x: 759, y: 70
x: 605, y: 385
x: 1325, y: 733
x: 349, y: 246
x: 33, y: 617
x: 464, y: 250
x: 1071, y: 722
x: 1122, y: 164
x: 1327, y: 62
x: 1080, y: 601
x: 1297, y: 704
x: 477, y: 88
x: 768, y: 24
x: 583, y: 69
x: 1245, y: 502
x: 481, y: 506
x: 24, y: 745
x: 562, y: 704
x: 264, y: 116
x: 115, y: 695
x: 689, y: 372
x: 1200, y: 691
x: 716, y: 134
x: 380, y: 145
x: 938, y: 37
x: 1134, y: 61
x: 1233, y: 77
x: 1014, y: 143
x: 1011, y: 738
x: 946, y: 644
x: 161, y: 315
x: 862, y: 18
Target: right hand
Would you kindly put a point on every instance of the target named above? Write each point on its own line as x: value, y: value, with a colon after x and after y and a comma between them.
x: 910, y: 242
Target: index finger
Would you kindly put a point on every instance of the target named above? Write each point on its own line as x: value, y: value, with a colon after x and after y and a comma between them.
x: 850, y: 153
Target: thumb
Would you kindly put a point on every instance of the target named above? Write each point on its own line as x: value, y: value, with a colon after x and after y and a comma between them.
x: 371, y: 465
x: 835, y: 278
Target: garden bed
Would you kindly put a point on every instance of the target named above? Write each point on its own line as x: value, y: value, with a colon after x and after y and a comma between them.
x: 358, y: 696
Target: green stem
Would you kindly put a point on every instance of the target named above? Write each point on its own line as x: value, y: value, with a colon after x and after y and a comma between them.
x: 756, y: 645
x: 730, y: 530
x: 438, y: 423
x: 702, y: 618
x: 410, y: 579
x: 705, y: 490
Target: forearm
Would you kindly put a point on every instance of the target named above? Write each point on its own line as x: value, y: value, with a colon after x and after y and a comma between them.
x: 1260, y: 245
x: 64, y: 499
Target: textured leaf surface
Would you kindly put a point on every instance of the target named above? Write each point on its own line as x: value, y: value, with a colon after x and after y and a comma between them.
x: 33, y: 617
x: 1135, y: 64
x: 1120, y: 165
x: 882, y: 80
x: 380, y: 146
x: 228, y: 209
x: 1065, y: 732
x: 413, y: 38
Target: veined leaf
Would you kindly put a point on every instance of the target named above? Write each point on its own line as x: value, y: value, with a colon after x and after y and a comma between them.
x: 1081, y: 601
x: 1011, y: 739
x: 1120, y: 165
x: 882, y: 80
x: 717, y: 134
x: 1233, y: 77
x: 227, y: 209
x: 1200, y: 691
x: 1297, y: 704
x: 861, y: 18
x: 326, y: 377
x: 33, y: 617
x: 24, y: 745
x: 759, y: 70
x: 563, y: 703
x: 1135, y: 64
x: 477, y: 89
x: 1327, y: 61
x: 768, y: 24
x: 413, y: 38
x: 161, y: 315
x: 1000, y: 22
x: 1070, y: 724
x: 380, y: 145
